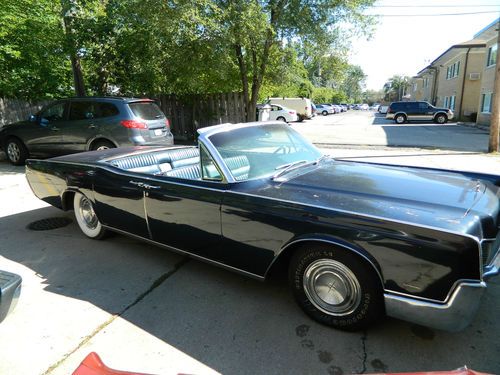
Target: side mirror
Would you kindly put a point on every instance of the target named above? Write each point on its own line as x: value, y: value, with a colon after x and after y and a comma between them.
x: 32, y: 118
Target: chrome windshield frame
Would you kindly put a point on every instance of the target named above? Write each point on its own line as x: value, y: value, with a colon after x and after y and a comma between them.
x: 204, y: 135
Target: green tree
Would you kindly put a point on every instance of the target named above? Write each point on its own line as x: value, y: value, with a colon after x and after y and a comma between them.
x: 396, y: 87
x: 354, y: 83
x: 32, y: 60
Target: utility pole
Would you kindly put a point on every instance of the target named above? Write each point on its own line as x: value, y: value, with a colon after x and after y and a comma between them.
x: 495, y: 113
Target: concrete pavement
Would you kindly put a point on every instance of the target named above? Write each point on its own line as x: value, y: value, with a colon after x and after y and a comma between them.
x: 146, y: 309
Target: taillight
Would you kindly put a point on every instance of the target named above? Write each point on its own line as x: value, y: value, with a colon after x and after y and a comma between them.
x: 291, y: 112
x: 167, y: 123
x: 389, y: 110
x: 133, y: 124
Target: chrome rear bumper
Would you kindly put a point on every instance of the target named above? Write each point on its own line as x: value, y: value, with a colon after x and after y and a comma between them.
x: 453, y: 315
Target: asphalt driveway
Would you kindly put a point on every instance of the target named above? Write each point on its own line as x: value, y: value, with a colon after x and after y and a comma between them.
x: 369, y: 128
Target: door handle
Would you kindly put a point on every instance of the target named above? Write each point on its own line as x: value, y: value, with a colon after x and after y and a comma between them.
x: 143, y: 185
x: 137, y: 183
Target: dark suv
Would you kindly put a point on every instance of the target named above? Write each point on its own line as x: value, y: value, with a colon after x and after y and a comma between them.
x: 402, y: 112
x: 82, y: 124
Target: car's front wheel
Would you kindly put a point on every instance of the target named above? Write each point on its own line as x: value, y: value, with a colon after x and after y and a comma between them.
x: 86, y: 218
x: 281, y: 118
x: 16, y: 151
x: 324, y: 113
x: 400, y: 119
x: 441, y: 119
x: 336, y: 287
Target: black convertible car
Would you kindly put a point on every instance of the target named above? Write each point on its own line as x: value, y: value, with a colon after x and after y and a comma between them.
x: 361, y: 240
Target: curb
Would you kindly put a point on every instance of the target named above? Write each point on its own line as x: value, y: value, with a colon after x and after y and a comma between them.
x: 474, y: 125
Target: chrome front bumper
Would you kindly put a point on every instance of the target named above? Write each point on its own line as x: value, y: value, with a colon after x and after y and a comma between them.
x: 453, y: 315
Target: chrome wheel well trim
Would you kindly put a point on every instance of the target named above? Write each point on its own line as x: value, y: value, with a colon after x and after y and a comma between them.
x: 330, y: 242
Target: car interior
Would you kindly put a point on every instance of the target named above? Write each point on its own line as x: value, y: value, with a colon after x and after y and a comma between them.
x: 181, y: 163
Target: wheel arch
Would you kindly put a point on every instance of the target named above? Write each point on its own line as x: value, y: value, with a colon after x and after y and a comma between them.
x: 440, y: 113
x: 67, y: 199
x: 287, y: 251
x: 98, y: 138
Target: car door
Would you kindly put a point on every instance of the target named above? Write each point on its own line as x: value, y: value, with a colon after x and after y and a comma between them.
x: 426, y: 111
x: 45, y: 136
x: 185, y: 214
x: 80, y: 126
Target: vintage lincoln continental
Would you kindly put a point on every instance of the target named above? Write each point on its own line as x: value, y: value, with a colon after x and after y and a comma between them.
x: 360, y: 240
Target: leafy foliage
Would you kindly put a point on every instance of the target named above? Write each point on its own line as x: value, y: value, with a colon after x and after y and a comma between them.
x: 146, y: 47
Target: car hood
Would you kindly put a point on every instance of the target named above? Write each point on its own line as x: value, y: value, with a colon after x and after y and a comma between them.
x: 416, y: 195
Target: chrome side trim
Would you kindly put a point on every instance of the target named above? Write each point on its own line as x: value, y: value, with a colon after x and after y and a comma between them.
x: 146, y: 216
x: 191, y: 255
x: 452, y: 316
x: 312, y: 239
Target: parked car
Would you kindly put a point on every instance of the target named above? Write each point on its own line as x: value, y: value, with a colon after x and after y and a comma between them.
x: 337, y: 108
x: 10, y: 289
x: 81, y: 124
x: 375, y: 107
x: 280, y: 113
x: 303, y: 106
x: 347, y: 106
x: 402, y: 112
x: 325, y: 109
x: 359, y: 239
x: 364, y: 107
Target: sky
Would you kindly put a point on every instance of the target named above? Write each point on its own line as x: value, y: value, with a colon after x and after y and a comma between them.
x: 406, y: 44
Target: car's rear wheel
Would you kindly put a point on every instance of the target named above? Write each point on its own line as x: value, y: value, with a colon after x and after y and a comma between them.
x: 281, y: 118
x: 400, y: 119
x: 16, y: 151
x: 86, y: 218
x: 441, y: 119
x: 336, y: 287
x: 102, y: 145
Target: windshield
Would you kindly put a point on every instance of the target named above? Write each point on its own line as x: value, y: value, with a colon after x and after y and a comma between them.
x: 262, y: 150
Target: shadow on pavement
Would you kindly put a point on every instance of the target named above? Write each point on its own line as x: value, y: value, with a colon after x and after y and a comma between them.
x: 229, y: 322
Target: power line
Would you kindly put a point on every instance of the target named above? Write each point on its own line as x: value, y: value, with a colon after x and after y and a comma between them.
x: 433, y: 15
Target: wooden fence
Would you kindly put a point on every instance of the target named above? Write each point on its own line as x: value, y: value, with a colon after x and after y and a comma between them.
x: 189, y: 113
x: 186, y: 113
x: 12, y: 110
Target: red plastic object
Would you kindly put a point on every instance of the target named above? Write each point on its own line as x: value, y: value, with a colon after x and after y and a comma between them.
x: 93, y: 365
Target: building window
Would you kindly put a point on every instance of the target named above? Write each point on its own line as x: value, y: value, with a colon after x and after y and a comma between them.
x: 446, y: 102
x: 486, y: 103
x: 453, y: 70
x: 426, y: 82
x: 452, y: 102
x: 492, y: 55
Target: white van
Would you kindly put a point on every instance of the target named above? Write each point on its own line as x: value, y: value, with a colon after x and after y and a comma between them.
x: 301, y: 105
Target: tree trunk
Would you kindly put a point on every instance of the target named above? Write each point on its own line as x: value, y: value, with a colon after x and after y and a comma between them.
x: 72, y: 48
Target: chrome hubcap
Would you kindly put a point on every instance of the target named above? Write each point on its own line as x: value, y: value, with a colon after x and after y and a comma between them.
x: 102, y: 148
x: 14, y: 152
x: 400, y: 120
x: 332, y: 287
x: 440, y: 119
x: 87, y: 213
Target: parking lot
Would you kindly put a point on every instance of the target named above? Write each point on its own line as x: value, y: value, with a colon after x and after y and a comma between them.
x: 145, y: 309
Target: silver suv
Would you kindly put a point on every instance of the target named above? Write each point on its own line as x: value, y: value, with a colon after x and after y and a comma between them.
x: 82, y: 124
